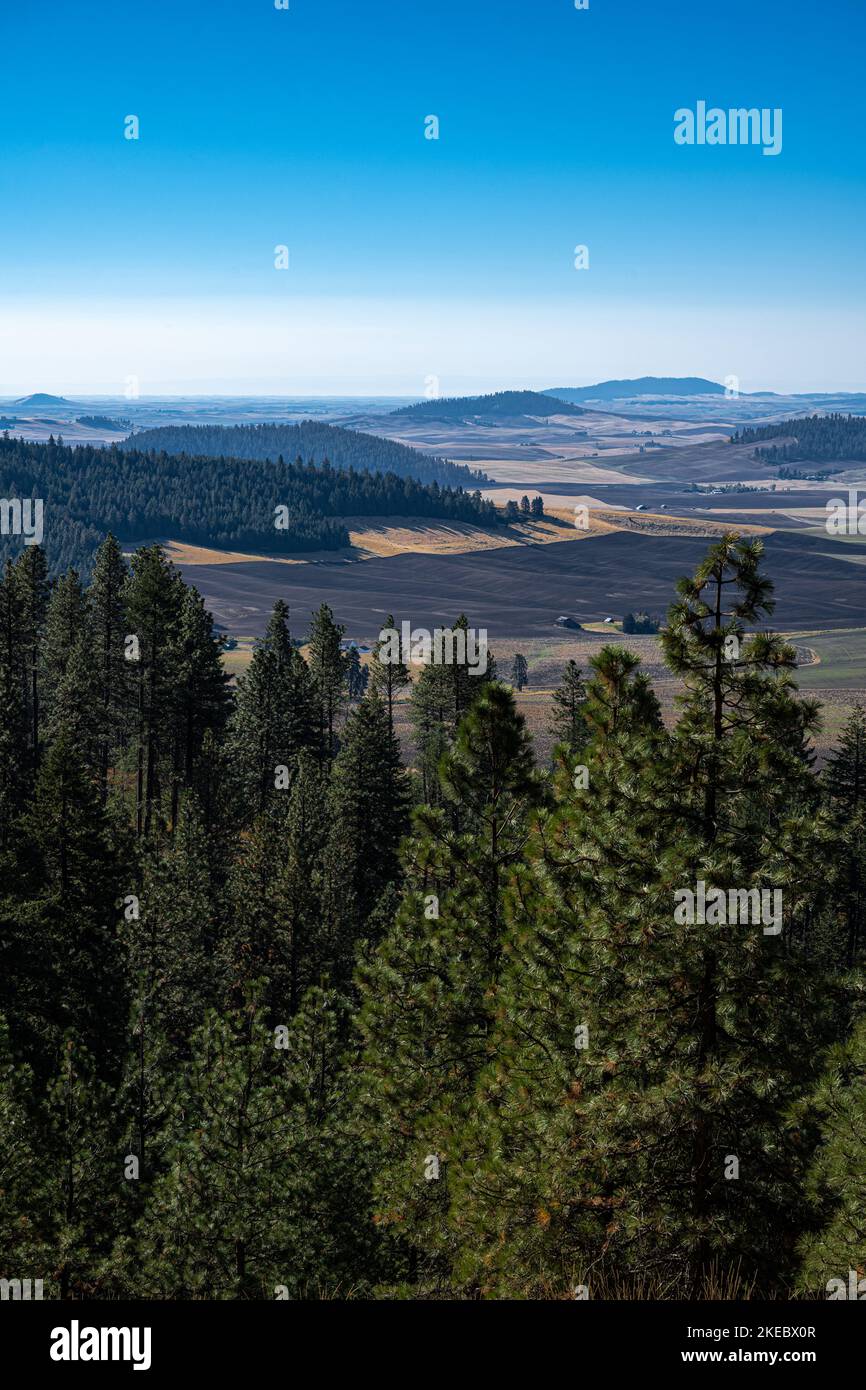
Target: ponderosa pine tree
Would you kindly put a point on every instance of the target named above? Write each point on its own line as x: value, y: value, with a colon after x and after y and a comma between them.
x: 844, y: 782
x: 201, y: 699
x: 441, y: 696
x: 519, y: 671
x: 632, y: 1126
x: 266, y: 1193
x: 388, y: 678
x: 368, y: 816
x: 13, y: 711
x: 154, y: 599
x: 568, y: 723
x: 24, y: 1236
x: 748, y: 822
x: 279, y: 931
x: 170, y: 931
x: 83, y: 1184
x: 540, y: 1203
x: 66, y: 626
x: 429, y: 994
x: 327, y: 675
x: 837, y: 1180
x: 357, y: 675
x: 31, y: 578
x: 275, y: 714
x: 68, y: 971
x: 620, y: 697
x: 115, y: 678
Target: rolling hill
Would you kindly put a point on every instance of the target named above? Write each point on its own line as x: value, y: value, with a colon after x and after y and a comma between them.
x: 498, y: 407
x: 638, y: 386
x: 41, y: 398
x: 311, y: 441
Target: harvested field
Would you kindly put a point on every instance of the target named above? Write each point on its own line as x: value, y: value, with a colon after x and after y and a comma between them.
x: 519, y: 591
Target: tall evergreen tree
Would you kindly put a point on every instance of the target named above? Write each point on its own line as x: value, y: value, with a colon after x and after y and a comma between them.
x: 154, y: 598
x: 569, y: 725
x: 388, y: 677
x: 429, y: 995
x: 31, y: 578
x: 519, y: 671
x: 274, y: 718
x: 368, y: 807
x: 328, y: 675
x: 837, y: 1182
x: 109, y: 626
x: 266, y: 1193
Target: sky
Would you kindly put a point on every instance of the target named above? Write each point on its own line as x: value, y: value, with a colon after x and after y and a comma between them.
x: 421, y: 266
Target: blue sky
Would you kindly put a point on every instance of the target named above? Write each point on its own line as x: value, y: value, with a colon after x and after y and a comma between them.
x: 413, y: 258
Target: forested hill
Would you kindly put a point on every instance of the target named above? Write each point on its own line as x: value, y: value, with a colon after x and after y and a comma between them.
x: 311, y: 440
x: 223, y: 502
x: 497, y: 406
x: 815, y: 437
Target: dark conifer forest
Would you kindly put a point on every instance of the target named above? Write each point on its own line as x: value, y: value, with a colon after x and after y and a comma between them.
x: 223, y: 502
x: 312, y: 441
x: 291, y: 1011
x: 815, y: 438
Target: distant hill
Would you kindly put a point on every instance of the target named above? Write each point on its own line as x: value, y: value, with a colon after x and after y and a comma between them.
x: 40, y: 398
x: 639, y: 386
x: 310, y: 441
x: 500, y: 405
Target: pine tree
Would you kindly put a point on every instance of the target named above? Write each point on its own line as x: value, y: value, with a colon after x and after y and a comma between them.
x: 31, y: 578
x: 274, y: 717
x: 13, y: 709
x: 201, y: 697
x: 23, y: 1220
x: 837, y: 1182
x: 266, y: 1192
x: 640, y: 1059
x: 357, y: 675
x: 440, y: 698
x: 429, y: 994
x: 844, y: 780
x: 368, y: 807
x: 568, y: 723
x: 388, y: 677
x: 328, y: 675
x: 109, y: 626
x: 519, y: 671
x: 153, y: 597
x: 67, y: 968
x: 620, y: 697
x: 66, y: 626
x: 281, y: 932
x: 85, y: 1178
x: 169, y: 935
